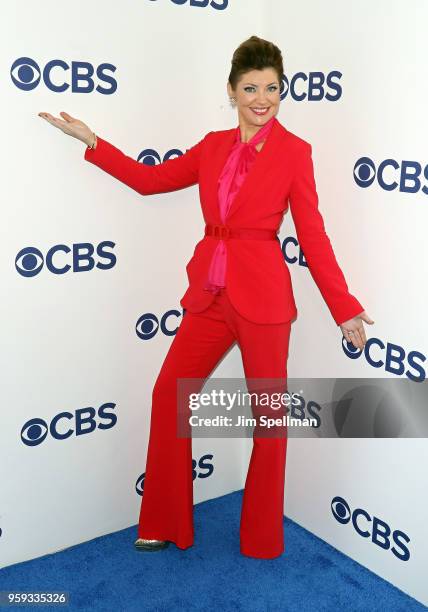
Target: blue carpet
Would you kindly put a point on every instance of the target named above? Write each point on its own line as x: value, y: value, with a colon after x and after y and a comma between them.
x: 108, y: 574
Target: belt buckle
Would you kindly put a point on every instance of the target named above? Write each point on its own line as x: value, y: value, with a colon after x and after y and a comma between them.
x: 220, y: 231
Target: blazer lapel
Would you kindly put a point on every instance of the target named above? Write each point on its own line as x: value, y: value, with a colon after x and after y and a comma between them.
x: 216, y: 166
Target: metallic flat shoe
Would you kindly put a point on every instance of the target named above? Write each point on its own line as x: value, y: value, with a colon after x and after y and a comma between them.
x: 150, y: 545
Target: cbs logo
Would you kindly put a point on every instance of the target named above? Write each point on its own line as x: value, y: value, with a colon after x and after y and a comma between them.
x: 30, y: 261
x: 148, y: 324
x: 312, y: 87
x: 151, y: 157
x: 378, y: 531
x: 203, y: 468
x: 390, y: 357
x: 65, y: 424
x: 404, y: 175
x: 60, y: 76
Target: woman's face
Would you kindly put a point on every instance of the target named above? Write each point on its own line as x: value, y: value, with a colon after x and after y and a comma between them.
x: 257, y: 96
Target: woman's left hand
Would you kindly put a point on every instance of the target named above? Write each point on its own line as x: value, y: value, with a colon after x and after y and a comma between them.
x: 353, y: 329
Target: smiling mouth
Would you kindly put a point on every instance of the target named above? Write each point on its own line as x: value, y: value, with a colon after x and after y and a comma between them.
x: 260, y: 111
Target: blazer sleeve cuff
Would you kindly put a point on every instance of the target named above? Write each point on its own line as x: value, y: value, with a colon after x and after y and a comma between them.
x: 98, y: 156
x: 348, y: 310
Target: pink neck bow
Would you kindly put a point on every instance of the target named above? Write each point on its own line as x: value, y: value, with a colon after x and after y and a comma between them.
x: 241, y: 157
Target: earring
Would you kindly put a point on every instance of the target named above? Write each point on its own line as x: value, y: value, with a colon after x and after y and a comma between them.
x: 233, y: 101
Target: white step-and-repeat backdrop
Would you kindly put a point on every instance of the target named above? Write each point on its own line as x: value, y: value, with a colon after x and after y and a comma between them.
x: 92, y: 272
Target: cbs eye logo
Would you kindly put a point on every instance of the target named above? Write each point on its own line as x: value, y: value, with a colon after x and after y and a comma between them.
x: 374, y: 528
x: 390, y: 357
x: 151, y: 157
x: 408, y: 175
x: 202, y: 468
x: 30, y: 261
x: 313, y: 87
x: 26, y: 75
x: 148, y: 324
x: 65, y: 424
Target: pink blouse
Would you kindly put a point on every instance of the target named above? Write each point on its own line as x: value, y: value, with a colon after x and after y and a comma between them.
x: 241, y: 158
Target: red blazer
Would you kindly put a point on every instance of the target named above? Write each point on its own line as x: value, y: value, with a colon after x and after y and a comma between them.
x: 257, y: 276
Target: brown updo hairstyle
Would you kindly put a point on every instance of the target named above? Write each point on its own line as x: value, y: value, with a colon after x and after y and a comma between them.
x: 255, y: 54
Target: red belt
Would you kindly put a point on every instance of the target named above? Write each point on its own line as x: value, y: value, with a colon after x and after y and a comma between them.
x: 224, y: 232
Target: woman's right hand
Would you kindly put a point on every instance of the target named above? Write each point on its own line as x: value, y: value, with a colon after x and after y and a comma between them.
x: 71, y: 126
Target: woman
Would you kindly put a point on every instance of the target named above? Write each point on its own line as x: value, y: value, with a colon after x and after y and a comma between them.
x: 239, y: 288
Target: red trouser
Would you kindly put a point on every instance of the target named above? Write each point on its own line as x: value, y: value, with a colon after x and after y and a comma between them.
x: 167, y: 503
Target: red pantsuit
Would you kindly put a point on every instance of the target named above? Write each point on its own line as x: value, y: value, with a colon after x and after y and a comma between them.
x: 167, y: 506
x: 255, y: 309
